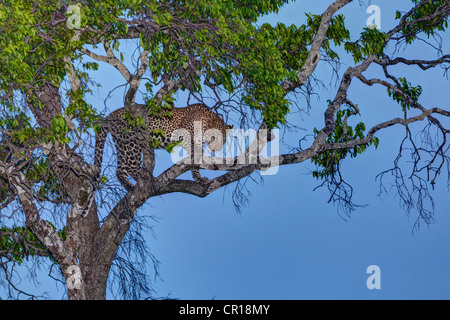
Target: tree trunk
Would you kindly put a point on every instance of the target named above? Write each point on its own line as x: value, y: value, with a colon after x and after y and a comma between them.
x: 92, y: 284
x: 87, y: 280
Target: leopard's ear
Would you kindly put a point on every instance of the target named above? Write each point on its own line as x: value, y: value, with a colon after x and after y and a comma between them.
x: 230, y: 126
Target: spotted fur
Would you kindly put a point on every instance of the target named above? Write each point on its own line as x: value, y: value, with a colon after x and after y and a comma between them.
x: 129, y: 143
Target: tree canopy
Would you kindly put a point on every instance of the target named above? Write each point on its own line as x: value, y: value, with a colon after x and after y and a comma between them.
x: 50, y: 52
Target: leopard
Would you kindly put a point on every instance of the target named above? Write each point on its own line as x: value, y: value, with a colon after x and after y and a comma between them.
x: 163, y: 130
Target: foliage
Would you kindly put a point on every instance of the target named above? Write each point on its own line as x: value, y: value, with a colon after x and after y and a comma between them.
x: 405, y: 89
x: 328, y: 162
x: 371, y: 42
x: 416, y: 24
x: 20, y: 243
x: 202, y: 47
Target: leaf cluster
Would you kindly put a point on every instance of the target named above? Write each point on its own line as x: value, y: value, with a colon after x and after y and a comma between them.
x: 372, y: 41
x: 405, y: 88
x: 428, y: 18
x: 19, y: 243
x: 329, y: 161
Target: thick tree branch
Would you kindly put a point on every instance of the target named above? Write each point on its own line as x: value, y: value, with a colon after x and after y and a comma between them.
x: 423, y: 64
x: 42, y: 229
x: 237, y: 172
x: 314, y: 52
x: 111, y: 59
x: 135, y: 81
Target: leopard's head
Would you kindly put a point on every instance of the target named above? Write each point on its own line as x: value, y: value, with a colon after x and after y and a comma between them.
x: 216, y: 138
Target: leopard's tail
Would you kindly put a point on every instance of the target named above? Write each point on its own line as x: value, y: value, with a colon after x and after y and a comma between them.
x: 100, y: 139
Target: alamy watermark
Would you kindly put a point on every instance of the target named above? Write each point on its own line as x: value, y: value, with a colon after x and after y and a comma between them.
x: 74, y: 279
x: 241, y: 147
x: 374, y: 280
x: 374, y: 20
x: 74, y: 20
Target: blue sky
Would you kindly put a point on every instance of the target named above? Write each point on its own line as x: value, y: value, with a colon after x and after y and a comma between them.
x: 289, y: 243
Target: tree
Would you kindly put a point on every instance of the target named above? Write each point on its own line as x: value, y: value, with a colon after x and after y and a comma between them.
x: 50, y: 50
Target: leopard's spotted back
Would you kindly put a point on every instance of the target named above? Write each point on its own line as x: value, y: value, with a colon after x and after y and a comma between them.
x: 129, y: 141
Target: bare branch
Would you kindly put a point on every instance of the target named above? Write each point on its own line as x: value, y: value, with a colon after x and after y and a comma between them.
x: 423, y: 64
x: 110, y: 59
